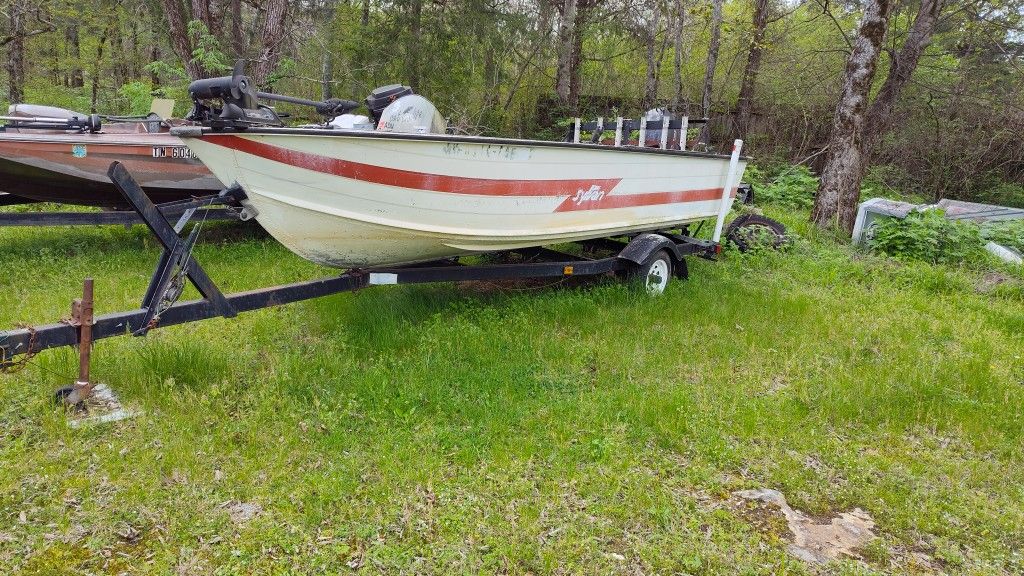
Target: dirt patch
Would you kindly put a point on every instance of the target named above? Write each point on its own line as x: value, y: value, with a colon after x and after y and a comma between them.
x: 242, y: 512
x: 990, y: 281
x: 813, y: 541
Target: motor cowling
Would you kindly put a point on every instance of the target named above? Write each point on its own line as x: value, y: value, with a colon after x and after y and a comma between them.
x: 382, y: 97
x: 411, y: 114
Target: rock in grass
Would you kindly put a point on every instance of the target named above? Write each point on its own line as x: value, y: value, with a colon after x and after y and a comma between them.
x: 815, y: 542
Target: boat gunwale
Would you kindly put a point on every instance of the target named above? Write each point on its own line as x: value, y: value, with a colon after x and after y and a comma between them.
x: 94, y: 139
x: 189, y: 132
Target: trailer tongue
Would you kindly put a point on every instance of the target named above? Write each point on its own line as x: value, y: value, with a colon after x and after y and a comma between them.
x: 650, y: 257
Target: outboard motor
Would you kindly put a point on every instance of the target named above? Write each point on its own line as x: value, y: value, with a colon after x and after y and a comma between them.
x: 411, y: 114
x: 382, y: 97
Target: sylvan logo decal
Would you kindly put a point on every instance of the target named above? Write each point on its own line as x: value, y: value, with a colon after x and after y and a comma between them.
x: 592, y: 194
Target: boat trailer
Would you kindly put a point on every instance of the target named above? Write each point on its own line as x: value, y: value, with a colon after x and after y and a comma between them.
x: 649, y: 257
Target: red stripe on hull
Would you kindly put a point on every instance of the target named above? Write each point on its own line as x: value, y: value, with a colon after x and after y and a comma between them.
x: 407, y: 178
x: 578, y: 194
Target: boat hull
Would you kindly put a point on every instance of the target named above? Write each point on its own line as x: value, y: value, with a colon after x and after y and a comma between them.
x: 72, y: 168
x: 361, y: 199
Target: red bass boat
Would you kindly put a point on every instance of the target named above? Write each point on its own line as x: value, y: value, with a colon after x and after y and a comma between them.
x: 54, y: 155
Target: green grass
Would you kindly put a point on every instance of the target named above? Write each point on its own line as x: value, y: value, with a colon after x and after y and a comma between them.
x: 475, y: 429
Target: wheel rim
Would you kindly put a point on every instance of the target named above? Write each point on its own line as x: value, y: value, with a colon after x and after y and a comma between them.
x: 657, y: 277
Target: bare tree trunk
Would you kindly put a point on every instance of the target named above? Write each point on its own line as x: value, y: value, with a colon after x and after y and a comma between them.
x: 16, y: 52
x: 839, y: 190
x: 360, y: 54
x: 413, y: 54
x: 677, y: 46
x: 327, y: 58
x: 326, y: 75
x: 566, y: 52
x: 577, y: 59
x: 744, y: 103
x: 492, y: 77
x: 154, y: 55
x: 135, y: 65
x: 651, y: 81
x: 904, y: 63
x: 177, y: 24
x: 237, y: 40
x: 202, y: 10
x: 271, y: 35
x: 121, y: 72
x: 96, y: 67
x: 76, y: 79
x: 709, y: 69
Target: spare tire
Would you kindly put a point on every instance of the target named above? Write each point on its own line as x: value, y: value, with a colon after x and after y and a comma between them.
x: 750, y: 231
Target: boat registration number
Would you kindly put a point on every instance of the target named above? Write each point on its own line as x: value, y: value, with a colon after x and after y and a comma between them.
x: 487, y: 152
x: 172, y: 152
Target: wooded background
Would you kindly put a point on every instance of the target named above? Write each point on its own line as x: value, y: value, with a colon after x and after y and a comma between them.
x: 927, y: 92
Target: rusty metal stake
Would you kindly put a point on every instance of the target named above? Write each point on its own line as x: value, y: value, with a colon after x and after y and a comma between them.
x: 82, y: 318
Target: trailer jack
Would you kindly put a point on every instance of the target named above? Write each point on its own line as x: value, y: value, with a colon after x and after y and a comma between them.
x: 81, y: 319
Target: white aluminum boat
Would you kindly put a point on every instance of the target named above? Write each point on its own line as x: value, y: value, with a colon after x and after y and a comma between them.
x: 361, y: 198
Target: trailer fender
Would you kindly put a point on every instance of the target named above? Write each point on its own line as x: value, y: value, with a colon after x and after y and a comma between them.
x: 642, y: 248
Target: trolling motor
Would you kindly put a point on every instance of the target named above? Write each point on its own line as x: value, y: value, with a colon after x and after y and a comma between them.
x: 240, y: 108
x: 91, y: 123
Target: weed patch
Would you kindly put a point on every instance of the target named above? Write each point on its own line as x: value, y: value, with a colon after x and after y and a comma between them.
x: 927, y: 236
x: 794, y: 187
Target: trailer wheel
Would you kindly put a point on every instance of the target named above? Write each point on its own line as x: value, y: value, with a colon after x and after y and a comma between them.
x: 750, y: 231
x: 653, y: 275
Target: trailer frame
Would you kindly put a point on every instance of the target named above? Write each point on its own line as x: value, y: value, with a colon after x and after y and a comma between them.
x: 113, y: 217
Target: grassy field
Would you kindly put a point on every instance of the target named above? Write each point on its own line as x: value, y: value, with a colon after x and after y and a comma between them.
x: 511, y: 429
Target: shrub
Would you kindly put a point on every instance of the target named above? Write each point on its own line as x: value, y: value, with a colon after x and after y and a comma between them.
x: 139, y: 97
x: 893, y: 182
x: 1009, y: 233
x: 794, y: 187
x: 928, y: 236
x: 38, y: 92
x: 1003, y: 194
x: 755, y: 175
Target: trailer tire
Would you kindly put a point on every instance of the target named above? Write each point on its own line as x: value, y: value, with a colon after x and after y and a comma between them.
x: 753, y: 230
x: 653, y: 275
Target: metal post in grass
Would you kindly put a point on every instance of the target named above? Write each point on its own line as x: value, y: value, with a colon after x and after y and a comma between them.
x: 82, y: 320
x: 730, y: 181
